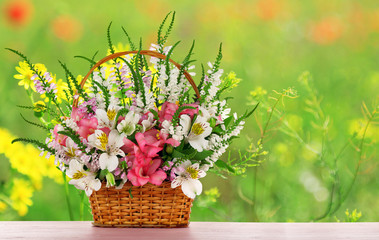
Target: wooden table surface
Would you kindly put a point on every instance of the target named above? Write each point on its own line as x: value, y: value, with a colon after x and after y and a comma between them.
x: 196, y: 230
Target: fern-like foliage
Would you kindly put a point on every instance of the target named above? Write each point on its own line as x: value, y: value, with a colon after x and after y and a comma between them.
x: 123, y: 111
x: 186, y: 61
x: 37, y: 143
x: 71, y: 77
x: 110, y: 44
x: 35, y: 124
x: 167, y: 61
x: 175, y: 118
x: 201, y: 84
x: 217, y: 63
x: 131, y: 44
x: 163, y: 38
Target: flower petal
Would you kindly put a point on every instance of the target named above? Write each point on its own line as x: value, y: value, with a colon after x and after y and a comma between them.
x: 158, y: 177
x: 177, y: 182
x: 192, y: 187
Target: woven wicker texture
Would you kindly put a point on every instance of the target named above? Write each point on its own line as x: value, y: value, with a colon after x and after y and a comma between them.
x: 150, y: 206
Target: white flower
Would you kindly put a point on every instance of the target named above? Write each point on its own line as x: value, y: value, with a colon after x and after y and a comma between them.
x: 127, y: 126
x: 148, y: 123
x: 71, y: 149
x: 106, y: 118
x: 188, y: 175
x: 199, y: 131
x: 110, y: 145
x: 82, y: 179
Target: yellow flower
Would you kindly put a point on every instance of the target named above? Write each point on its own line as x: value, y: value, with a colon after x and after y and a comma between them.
x: 258, y: 92
x: 61, y: 87
x: 357, y: 126
x: 87, y: 84
x: 39, y: 106
x: 3, y: 206
x: 25, y: 74
x: 26, y: 160
x: 119, y: 48
x: 21, y: 195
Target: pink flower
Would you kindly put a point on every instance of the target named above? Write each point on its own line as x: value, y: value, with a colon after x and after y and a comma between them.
x: 87, y: 127
x: 142, y: 174
x: 167, y: 111
x: 76, y: 115
x: 60, y: 138
x: 190, y: 112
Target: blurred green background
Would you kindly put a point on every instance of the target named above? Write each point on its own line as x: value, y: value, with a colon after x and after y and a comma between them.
x: 268, y: 44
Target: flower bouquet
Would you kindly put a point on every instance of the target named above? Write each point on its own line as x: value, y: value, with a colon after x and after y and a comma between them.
x: 136, y: 133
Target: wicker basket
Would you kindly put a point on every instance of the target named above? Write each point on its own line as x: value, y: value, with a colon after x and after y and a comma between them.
x: 145, y: 206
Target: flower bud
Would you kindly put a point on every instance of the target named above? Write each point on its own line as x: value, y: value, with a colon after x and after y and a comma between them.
x: 169, y: 149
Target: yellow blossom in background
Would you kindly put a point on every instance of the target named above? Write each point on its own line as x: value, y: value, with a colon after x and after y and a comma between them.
x: 21, y: 195
x: 3, y: 206
x: 231, y: 80
x: 61, y: 88
x: 39, y: 106
x: 119, y: 48
x: 87, y: 84
x: 25, y: 74
x: 258, y: 92
x: 357, y: 125
x: 26, y: 160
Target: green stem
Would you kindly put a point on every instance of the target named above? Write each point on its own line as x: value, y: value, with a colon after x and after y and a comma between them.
x: 81, y: 206
x: 343, y: 198
x: 67, y: 196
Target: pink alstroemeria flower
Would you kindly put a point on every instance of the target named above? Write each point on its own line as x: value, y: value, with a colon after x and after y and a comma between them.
x: 190, y: 112
x: 143, y: 155
x: 167, y: 111
x: 142, y: 174
x: 60, y: 138
x: 86, y: 126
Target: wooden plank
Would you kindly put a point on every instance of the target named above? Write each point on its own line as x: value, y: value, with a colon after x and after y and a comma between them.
x: 196, y: 230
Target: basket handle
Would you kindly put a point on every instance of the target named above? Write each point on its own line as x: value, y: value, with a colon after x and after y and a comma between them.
x: 142, y: 52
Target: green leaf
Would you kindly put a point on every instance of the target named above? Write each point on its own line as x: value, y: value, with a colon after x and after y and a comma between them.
x: 203, y: 155
x: 130, y: 192
x: 217, y: 130
x: 228, y: 121
x: 110, y: 178
x: 154, y: 113
x: 224, y: 165
x: 103, y: 173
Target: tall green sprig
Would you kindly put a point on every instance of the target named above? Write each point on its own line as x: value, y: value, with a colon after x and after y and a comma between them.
x: 111, y: 48
x: 163, y: 38
x: 71, y: 77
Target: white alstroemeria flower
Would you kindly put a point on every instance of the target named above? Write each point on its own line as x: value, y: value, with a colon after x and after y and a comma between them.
x: 199, y: 131
x: 71, y: 149
x: 110, y: 145
x: 203, y: 112
x: 188, y: 178
x: 127, y: 126
x: 82, y: 179
x: 148, y: 123
x: 106, y: 118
